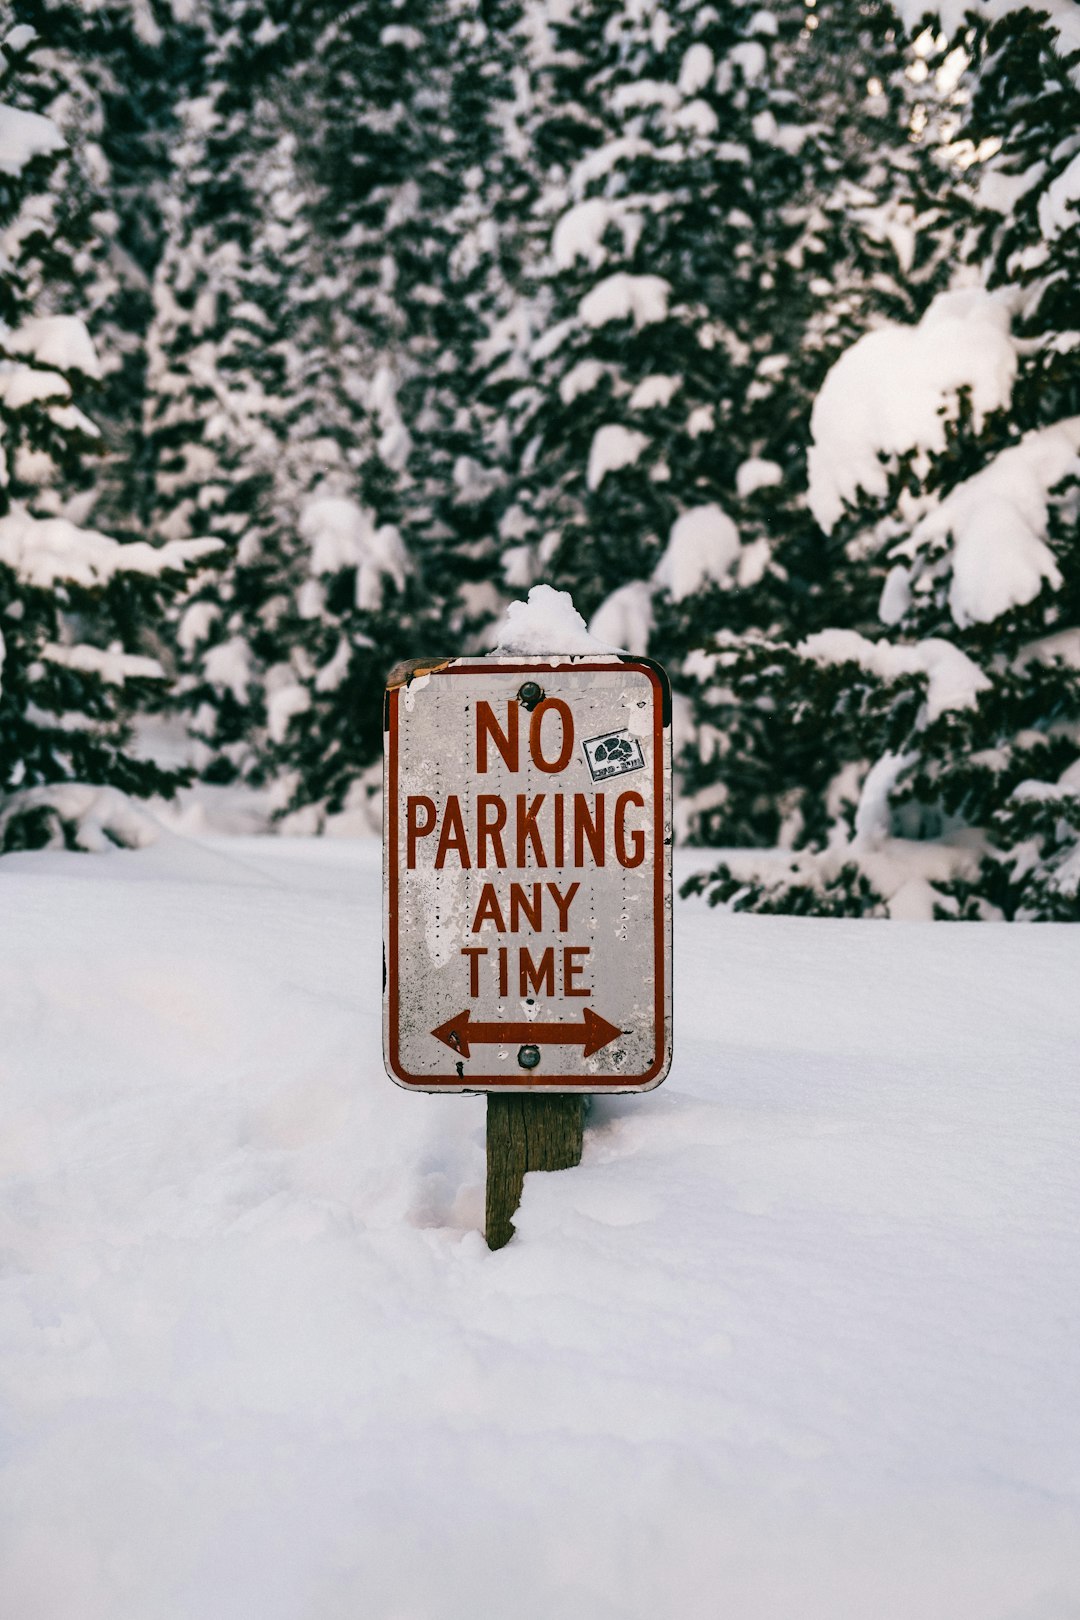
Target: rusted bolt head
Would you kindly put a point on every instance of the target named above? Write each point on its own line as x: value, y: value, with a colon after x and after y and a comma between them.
x: 530, y: 694
x: 529, y: 1056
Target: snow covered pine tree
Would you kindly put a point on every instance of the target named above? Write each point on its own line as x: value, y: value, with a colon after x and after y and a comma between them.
x: 703, y: 251
x: 627, y: 428
x: 946, y: 455
x: 74, y: 603
x: 314, y: 323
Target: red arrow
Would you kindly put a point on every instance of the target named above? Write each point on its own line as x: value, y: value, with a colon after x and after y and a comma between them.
x: 593, y: 1032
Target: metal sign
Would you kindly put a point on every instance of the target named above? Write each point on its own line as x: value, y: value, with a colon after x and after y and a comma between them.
x: 528, y: 874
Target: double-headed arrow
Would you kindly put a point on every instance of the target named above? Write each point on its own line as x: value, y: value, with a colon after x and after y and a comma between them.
x: 594, y: 1032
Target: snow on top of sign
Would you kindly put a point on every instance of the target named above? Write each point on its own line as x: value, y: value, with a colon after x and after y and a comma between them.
x: 547, y: 623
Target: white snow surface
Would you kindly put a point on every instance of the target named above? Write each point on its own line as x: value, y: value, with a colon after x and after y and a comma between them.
x: 343, y: 534
x: 797, y: 1338
x: 547, y: 622
x: 885, y: 394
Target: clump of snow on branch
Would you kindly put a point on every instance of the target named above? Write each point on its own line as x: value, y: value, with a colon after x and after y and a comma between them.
x: 342, y: 534
x: 873, y: 815
x: 954, y: 681
x: 23, y: 137
x: 580, y: 232
x: 703, y: 546
x: 24, y: 385
x: 111, y: 665
x: 622, y: 297
x: 84, y: 817
x: 997, y: 522
x: 548, y: 622
x: 656, y: 390
x: 613, y: 447
x: 1060, y: 202
x: 43, y: 551
x: 229, y: 665
x: 625, y: 619
x: 887, y: 393
x: 60, y: 342
x: 756, y: 474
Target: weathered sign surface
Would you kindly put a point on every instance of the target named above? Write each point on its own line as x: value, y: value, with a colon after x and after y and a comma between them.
x: 528, y: 874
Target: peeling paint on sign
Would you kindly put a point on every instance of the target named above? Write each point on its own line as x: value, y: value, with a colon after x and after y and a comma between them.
x: 528, y: 874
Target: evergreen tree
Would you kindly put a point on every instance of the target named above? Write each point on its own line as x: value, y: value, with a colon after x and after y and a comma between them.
x: 72, y: 600
x: 712, y: 249
x: 861, y: 236
x: 129, y: 66
x: 407, y: 168
x: 658, y: 175
x: 946, y: 455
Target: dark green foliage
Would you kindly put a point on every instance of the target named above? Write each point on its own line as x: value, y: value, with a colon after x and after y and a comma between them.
x: 75, y: 605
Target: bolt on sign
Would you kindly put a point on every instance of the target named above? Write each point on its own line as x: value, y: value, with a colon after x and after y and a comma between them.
x: 528, y: 874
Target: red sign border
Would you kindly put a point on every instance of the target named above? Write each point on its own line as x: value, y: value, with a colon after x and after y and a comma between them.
x: 657, y: 1071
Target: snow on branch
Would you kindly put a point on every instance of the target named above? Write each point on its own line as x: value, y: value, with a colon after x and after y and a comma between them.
x: 43, y: 551
x: 888, y: 394
x: 25, y: 136
x: 997, y: 522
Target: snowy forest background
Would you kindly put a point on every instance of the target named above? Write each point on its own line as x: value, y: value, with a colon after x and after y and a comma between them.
x: 328, y: 330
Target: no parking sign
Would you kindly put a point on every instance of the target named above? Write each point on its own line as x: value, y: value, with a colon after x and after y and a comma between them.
x: 528, y: 874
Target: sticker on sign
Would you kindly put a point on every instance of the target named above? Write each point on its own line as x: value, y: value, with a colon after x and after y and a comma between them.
x: 528, y: 874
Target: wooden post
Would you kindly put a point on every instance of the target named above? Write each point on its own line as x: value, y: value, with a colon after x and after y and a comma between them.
x: 526, y: 1132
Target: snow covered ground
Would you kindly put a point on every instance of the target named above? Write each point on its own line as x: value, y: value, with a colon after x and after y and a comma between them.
x: 799, y: 1340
